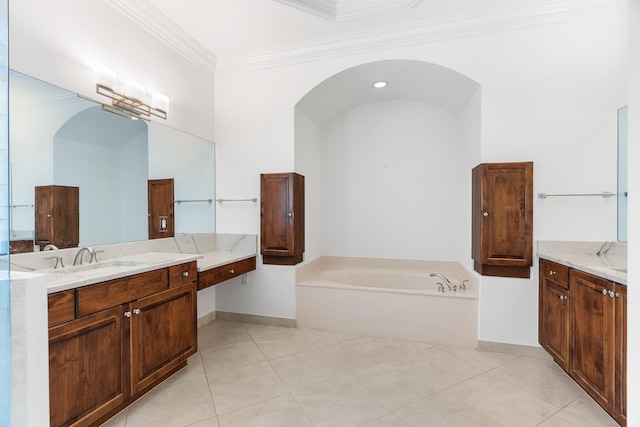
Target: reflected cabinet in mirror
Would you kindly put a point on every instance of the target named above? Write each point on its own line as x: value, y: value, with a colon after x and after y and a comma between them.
x: 622, y: 174
x: 57, y: 138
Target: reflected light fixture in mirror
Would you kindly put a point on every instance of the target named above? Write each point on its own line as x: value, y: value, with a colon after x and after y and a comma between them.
x: 379, y: 85
x: 132, y: 100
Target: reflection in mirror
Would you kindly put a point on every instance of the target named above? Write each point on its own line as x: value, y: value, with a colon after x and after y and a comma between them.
x: 58, y: 138
x: 622, y: 174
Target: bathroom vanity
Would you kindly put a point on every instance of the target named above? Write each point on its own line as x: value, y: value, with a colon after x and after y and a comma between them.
x: 119, y: 326
x: 582, y: 323
x: 112, y: 341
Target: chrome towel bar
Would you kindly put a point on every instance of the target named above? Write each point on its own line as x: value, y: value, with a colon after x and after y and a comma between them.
x: 603, y: 194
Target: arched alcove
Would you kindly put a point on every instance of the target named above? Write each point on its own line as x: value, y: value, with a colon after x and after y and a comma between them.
x: 388, y: 171
x: 106, y: 156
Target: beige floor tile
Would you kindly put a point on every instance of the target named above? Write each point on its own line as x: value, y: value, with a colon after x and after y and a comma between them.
x: 256, y: 330
x: 244, y: 386
x: 444, y: 409
x: 279, y: 412
x: 224, y: 359
x: 483, y: 360
x: 340, y: 402
x: 390, y: 420
x: 173, y: 405
x: 304, y: 369
x: 503, y: 401
x: 542, y: 378
x: 283, y: 343
x: 585, y: 407
x: 324, y: 338
x: 565, y: 418
x: 221, y: 332
x: 209, y: 422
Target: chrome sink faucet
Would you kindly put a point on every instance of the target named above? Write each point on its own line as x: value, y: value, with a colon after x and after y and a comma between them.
x: 81, y: 252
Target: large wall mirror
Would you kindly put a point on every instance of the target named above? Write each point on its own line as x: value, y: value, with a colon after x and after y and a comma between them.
x: 623, y: 189
x: 59, y: 138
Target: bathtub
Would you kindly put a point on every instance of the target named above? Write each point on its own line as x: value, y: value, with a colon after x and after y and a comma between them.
x: 388, y: 298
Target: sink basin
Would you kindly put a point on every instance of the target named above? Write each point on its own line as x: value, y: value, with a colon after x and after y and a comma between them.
x: 102, y: 266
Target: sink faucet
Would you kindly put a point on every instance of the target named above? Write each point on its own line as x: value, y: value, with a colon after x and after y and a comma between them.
x: 446, y: 281
x: 81, y: 252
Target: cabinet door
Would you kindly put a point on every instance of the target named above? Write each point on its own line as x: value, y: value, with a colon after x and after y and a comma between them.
x: 502, y: 222
x: 43, y: 215
x: 620, y: 410
x: 593, y: 341
x: 282, y: 218
x: 86, y: 368
x: 163, y: 334
x: 57, y: 219
x: 555, y: 322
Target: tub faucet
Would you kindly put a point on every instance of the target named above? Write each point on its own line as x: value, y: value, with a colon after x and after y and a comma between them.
x: 446, y: 281
x: 50, y: 248
x: 81, y: 252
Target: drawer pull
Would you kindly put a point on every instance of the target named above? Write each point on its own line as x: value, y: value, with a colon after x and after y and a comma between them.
x: 185, y: 273
x: 552, y: 273
x: 232, y: 271
x: 604, y: 292
x: 563, y: 297
x: 136, y: 311
x: 127, y: 314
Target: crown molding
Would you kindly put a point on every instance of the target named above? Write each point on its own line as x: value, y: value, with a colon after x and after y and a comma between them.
x: 343, y: 10
x: 157, y: 24
x: 428, y: 31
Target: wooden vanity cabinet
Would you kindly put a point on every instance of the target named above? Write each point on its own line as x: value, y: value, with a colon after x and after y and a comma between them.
x: 282, y: 218
x: 125, y: 336
x: 502, y: 219
x: 593, y: 320
x: 57, y: 216
x: 225, y: 272
x: 554, y: 311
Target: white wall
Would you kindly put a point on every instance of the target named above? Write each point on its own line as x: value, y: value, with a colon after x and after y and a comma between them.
x: 85, y: 34
x: 549, y: 94
x: 392, y: 183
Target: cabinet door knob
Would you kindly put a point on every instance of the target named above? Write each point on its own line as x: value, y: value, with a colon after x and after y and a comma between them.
x: 185, y: 273
x: 127, y: 314
x: 136, y: 311
x: 552, y: 273
x: 232, y: 271
x: 604, y: 292
x: 48, y: 215
x: 485, y: 213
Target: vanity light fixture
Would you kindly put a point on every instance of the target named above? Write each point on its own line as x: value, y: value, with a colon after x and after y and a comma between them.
x: 131, y: 101
x: 381, y: 84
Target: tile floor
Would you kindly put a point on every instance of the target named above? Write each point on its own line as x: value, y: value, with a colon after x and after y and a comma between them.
x: 255, y: 375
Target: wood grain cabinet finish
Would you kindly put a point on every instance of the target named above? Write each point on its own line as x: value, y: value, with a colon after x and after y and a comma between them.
x: 282, y: 218
x: 20, y: 246
x: 555, y: 310
x: 593, y: 339
x: 225, y: 272
x: 111, y: 342
x: 57, y: 216
x: 502, y: 219
x: 593, y: 320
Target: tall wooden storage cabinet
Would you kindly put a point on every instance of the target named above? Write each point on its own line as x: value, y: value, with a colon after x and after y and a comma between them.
x: 502, y: 219
x: 282, y: 218
x: 57, y: 216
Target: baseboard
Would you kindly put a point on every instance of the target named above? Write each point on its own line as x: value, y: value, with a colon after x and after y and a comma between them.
x: 253, y: 318
x: 207, y: 318
x: 514, y: 349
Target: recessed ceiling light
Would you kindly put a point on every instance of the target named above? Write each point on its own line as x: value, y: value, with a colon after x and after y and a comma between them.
x: 380, y: 84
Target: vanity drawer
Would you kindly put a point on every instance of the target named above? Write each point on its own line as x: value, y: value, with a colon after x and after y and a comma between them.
x: 183, y: 273
x: 104, y: 295
x: 225, y: 272
x: 555, y: 272
x: 62, y: 306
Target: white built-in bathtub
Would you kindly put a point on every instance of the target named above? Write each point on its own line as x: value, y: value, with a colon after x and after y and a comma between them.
x: 388, y: 298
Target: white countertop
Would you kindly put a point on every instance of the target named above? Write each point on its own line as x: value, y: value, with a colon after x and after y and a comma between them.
x: 61, y: 279
x: 603, y: 266
x: 215, y: 259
